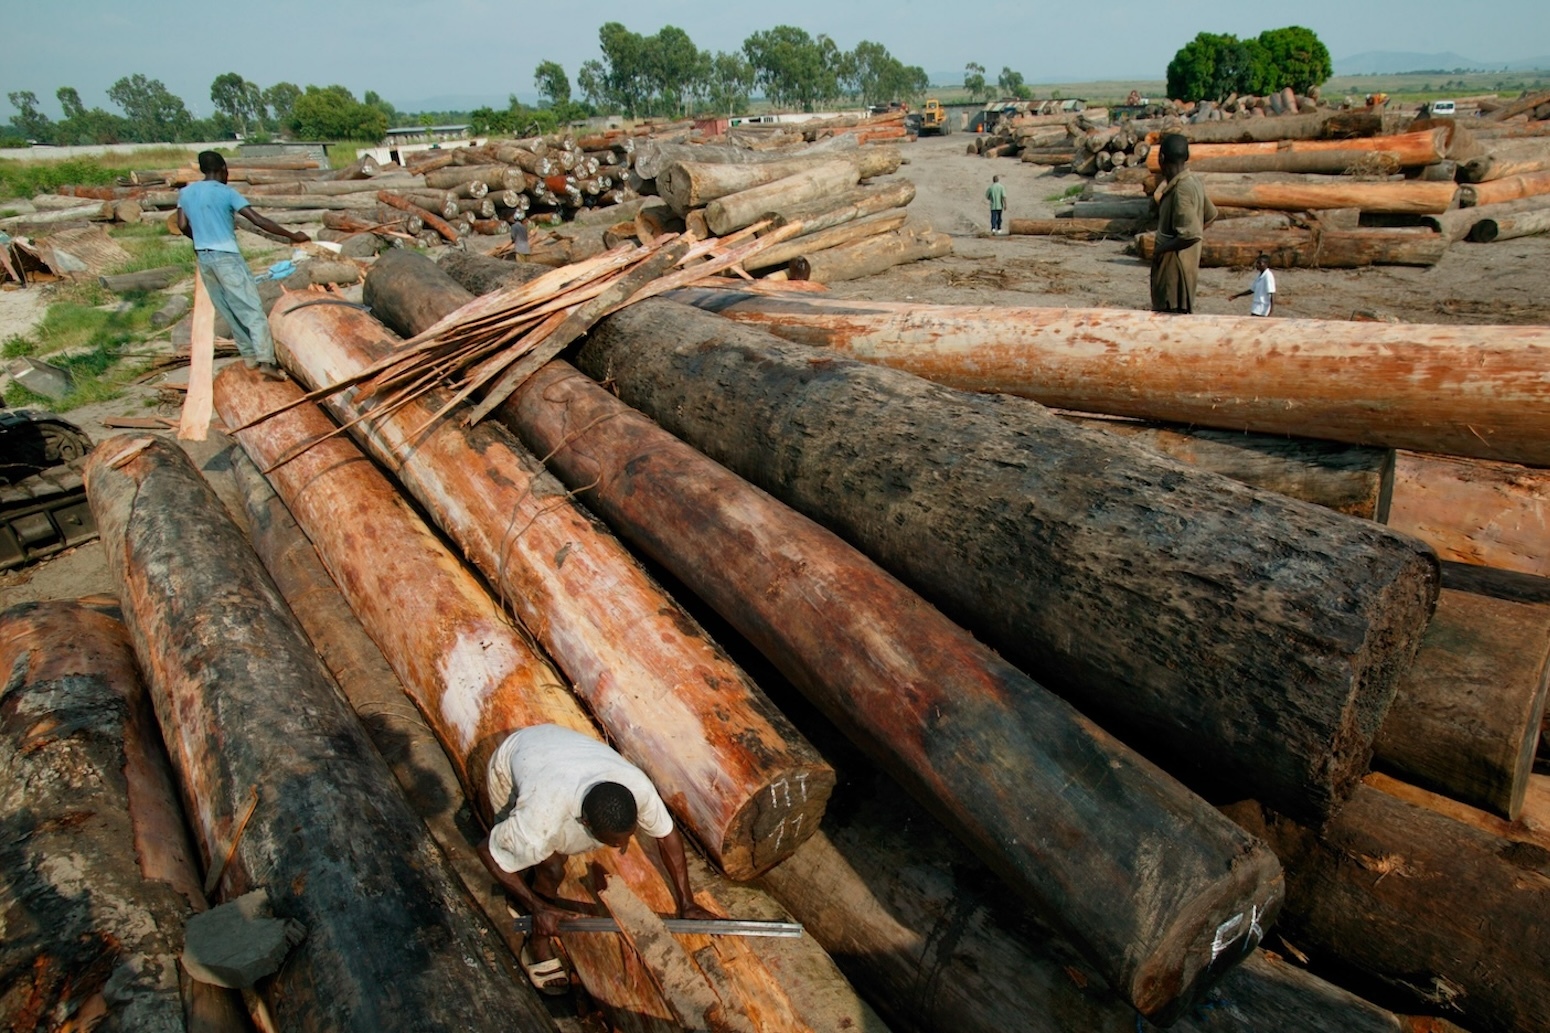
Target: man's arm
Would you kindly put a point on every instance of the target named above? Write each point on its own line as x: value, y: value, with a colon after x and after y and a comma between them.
x: 267, y: 226
x: 183, y: 226
x: 546, y: 917
x: 672, y: 848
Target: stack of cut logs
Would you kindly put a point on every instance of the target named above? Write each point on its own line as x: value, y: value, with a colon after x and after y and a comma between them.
x: 1329, y: 189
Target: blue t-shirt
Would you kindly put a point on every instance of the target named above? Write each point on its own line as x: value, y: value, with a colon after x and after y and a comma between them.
x: 210, y: 206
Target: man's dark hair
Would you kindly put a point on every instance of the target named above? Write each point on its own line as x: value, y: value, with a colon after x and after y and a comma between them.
x: 1175, y: 147
x: 609, y: 809
x: 210, y: 161
x: 1262, y: 257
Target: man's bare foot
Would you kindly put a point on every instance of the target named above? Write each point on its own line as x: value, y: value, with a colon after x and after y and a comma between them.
x: 269, y: 371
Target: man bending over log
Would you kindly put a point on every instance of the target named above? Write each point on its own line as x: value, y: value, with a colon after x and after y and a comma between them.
x: 1183, y: 213
x: 205, y: 211
x: 557, y: 793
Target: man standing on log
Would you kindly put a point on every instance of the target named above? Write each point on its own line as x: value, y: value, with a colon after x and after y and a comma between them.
x: 996, y: 195
x: 557, y: 793
x: 1263, y: 289
x: 1183, y: 213
x: 205, y: 211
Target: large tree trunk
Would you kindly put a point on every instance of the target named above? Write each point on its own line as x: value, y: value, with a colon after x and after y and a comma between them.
x: 1510, y: 226
x: 1078, y: 229
x: 844, y: 233
x: 1003, y: 761
x: 827, y: 212
x: 656, y: 154
x: 1340, y: 125
x: 1466, y: 719
x: 96, y: 879
x: 1314, y: 249
x: 869, y: 256
x: 1509, y: 188
x: 1115, y: 576
x: 927, y: 932
x: 1460, y: 222
x: 734, y: 211
x: 694, y: 184
x: 1421, y: 147
x: 1462, y: 390
x: 716, y: 748
x: 1411, y: 196
x: 245, y: 706
x: 1446, y: 914
x: 1474, y: 512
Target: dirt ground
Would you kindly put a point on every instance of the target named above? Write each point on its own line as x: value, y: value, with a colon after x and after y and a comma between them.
x: 1474, y: 283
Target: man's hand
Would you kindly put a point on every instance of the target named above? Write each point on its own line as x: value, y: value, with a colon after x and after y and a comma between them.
x: 299, y: 237
x: 546, y: 919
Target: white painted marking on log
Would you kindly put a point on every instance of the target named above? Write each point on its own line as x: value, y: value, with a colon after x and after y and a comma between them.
x: 471, y: 670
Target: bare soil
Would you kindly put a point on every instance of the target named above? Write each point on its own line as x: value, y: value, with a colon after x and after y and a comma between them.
x: 1500, y: 283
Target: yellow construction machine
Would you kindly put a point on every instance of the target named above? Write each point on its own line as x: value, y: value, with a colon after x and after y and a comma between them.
x: 933, y: 118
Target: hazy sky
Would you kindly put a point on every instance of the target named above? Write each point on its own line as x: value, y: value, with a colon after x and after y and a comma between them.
x: 412, y: 50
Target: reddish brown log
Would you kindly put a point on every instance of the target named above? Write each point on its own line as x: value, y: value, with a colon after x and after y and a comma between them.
x: 244, y: 704
x: 1510, y: 188
x: 1080, y: 229
x: 435, y: 222
x: 1316, y: 248
x: 1471, y: 511
x: 1421, y: 147
x: 1462, y: 390
x: 1412, y: 197
x: 717, y: 750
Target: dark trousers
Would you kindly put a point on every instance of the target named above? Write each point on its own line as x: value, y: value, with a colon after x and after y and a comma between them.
x: 995, y: 220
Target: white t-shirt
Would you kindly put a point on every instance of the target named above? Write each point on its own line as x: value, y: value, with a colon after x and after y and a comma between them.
x: 542, y: 774
x: 1264, y: 293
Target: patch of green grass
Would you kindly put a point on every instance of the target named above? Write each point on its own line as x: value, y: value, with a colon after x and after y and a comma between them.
x: 1066, y: 194
x: 95, y: 340
x: 6, y: 213
x: 28, y: 178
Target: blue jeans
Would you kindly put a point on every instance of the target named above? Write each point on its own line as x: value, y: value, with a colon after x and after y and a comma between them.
x: 995, y: 220
x: 235, y: 296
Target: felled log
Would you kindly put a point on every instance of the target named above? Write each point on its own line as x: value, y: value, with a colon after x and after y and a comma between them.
x: 1527, y: 102
x: 1442, y: 912
x: 1413, y: 197
x: 1339, y: 125
x: 1506, y: 160
x: 1465, y: 721
x: 403, y: 295
x: 691, y: 184
x: 227, y: 665
x: 1315, y: 248
x: 1431, y: 379
x: 925, y: 930
x: 94, y: 212
x: 869, y: 256
x: 145, y: 280
x: 826, y: 212
x: 1459, y: 223
x: 844, y: 233
x: 1511, y: 225
x: 1509, y: 188
x: 1403, y: 150
x: 501, y: 176
x: 1079, y: 229
x: 1349, y: 479
x: 726, y: 753
x: 1048, y: 155
x: 734, y: 211
x: 1113, y: 208
x: 1046, y: 582
x: 1474, y: 512
x: 95, y: 876
x: 430, y: 219
x: 933, y: 686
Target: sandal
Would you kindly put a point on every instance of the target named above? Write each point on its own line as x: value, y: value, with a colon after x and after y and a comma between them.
x: 548, y: 977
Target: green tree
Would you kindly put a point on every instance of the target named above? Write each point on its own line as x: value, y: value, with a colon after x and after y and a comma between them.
x: 791, y: 67
x: 626, y: 78
x: 1011, y: 83
x: 1193, y: 73
x: 725, y: 82
x: 673, y: 67
x: 29, y: 121
x: 152, y: 113
x: 592, y: 78
x: 81, y: 126
x: 552, y: 82
x: 373, y: 99
x: 333, y: 113
x: 238, y: 100
x: 280, y: 99
x: 974, y: 81
x: 1298, y: 58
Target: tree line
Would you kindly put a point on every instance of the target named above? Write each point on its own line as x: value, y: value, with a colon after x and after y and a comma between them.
x: 1213, y: 66
x: 664, y: 74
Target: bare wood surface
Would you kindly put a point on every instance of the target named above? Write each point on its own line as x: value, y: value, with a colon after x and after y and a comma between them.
x: 1214, y: 371
x: 727, y: 214
x: 243, y: 701
x: 1317, y: 248
x: 1474, y: 511
x: 194, y: 422
x: 869, y: 255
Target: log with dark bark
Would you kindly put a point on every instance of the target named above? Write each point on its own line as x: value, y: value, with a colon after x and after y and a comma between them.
x: 726, y: 752
x: 1087, y: 560
x: 96, y: 877
x: 744, y: 208
x: 1077, y: 229
x: 1006, y: 763
x: 1462, y: 390
x: 1316, y: 248
x: 1445, y: 914
x: 1466, y: 719
x: 245, y: 706
x: 1511, y: 226
x: 479, y: 274
x: 145, y: 280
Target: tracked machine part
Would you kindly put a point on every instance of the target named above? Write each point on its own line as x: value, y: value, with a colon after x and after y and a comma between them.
x: 42, y: 497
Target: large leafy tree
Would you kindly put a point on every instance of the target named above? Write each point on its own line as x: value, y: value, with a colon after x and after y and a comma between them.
x: 725, y: 82
x: 28, y: 120
x: 153, y: 113
x: 552, y: 82
x: 974, y: 81
x: 1011, y: 83
x: 1297, y: 57
x: 82, y: 126
x: 238, y: 100
x: 673, y: 67
x: 281, y: 99
x: 791, y: 67
x: 333, y: 113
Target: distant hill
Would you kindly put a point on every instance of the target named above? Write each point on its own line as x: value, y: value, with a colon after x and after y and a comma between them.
x: 1533, y: 64
x: 1391, y: 62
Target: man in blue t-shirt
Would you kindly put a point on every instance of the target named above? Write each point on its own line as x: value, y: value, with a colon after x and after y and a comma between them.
x: 205, y: 216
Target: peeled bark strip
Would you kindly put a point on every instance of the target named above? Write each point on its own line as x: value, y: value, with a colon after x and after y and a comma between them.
x: 391, y: 942
x: 1346, y: 478
x: 869, y: 256
x: 78, y: 907
x: 723, y: 757
x: 1171, y: 602
x: 1443, y: 912
x: 1007, y: 764
x: 1317, y: 248
x: 1459, y: 390
x: 927, y: 932
x: 1466, y: 719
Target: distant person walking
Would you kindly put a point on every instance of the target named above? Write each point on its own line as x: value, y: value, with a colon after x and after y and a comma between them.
x: 1183, y: 213
x: 205, y: 216
x: 996, y: 195
x: 1263, y: 289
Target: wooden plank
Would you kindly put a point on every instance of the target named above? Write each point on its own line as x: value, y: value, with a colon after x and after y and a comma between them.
x: 198, y: 405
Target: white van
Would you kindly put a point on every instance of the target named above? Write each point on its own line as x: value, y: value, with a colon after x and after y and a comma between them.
x: 1440, y: 109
